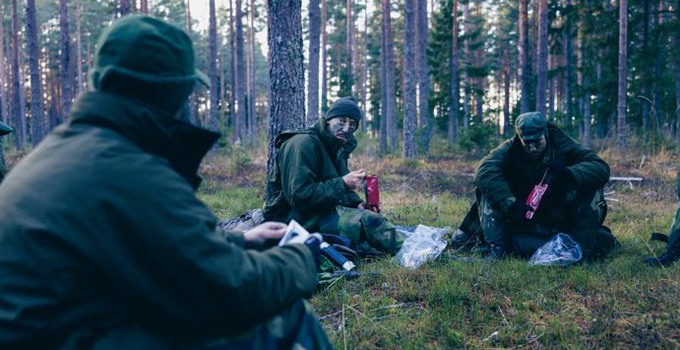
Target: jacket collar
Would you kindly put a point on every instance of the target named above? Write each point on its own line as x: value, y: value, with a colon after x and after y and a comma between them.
x: 155, y: 132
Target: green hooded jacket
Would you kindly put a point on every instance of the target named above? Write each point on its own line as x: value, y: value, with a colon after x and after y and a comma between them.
x: 101, y: 231
x: 508, y: 173
x: 306, y: 181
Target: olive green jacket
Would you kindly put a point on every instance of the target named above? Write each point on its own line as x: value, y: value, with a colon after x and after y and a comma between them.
x: 508, y: 173
x: 101, y: 231
x: 306, y: 180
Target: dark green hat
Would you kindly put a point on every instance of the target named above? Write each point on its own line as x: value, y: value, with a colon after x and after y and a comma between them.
x: 344, y: 107
x: 147, y: 49
x: 5, y: 129
x: 530, y: 126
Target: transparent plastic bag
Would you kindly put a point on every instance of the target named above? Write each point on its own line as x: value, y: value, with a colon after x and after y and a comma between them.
x: 561, y: 250
x: 424, y: 244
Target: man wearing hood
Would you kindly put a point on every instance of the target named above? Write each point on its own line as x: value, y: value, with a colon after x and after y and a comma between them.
x: 312, y: 184
x: 103, y: 242
x: 573, y: 202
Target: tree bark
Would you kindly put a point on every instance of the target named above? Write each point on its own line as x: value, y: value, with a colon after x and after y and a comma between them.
x: 65, y: 72
x: 37, y: 110
x: 390, y: 102
x: 313, y: 71
x: 240, y: 75
x: 286, y: 71
x: 524, y: 63
x: 423, y: 71
x: 455, y: 84
x: 18, y: 112
x: 622, y: 86
x: 79, y: 50
x: 542, y: 64
x: 409, y: 81
x: 213, y: 120
x: 324, y: 57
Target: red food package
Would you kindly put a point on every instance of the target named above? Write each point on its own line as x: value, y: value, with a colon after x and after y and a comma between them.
x: 372, y: 192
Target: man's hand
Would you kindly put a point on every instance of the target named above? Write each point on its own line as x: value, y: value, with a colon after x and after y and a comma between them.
x: 517, y: 211
x: 265, y: 231
x: 354, y: 178
x: 363, y: 205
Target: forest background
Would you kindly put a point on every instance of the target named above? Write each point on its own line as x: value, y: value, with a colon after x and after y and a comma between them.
x: 438, y: 82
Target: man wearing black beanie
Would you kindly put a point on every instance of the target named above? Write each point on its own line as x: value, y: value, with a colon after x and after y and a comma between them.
x: 312, y: 184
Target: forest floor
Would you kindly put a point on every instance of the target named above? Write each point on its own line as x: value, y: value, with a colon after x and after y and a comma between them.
x: 460, y: 301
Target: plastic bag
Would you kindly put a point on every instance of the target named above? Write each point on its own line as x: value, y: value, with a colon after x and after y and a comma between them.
x: 424, y: 244
x: 561, y: 250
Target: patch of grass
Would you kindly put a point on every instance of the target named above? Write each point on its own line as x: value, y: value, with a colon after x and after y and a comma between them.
x: 614, y: 303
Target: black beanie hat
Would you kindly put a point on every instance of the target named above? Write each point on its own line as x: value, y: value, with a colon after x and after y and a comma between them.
x: 344, y: 107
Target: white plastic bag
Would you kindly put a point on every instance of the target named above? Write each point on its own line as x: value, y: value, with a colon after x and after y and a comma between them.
x: 424, y: 244
x: 561, y: 250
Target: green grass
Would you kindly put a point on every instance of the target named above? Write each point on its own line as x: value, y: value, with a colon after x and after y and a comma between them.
x: 616, y: 303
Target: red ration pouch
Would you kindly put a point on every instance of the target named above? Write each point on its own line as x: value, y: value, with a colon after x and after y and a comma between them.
x: 534, y: 198
x: 372, y: 192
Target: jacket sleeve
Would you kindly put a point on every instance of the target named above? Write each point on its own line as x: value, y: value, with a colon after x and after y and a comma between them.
x: 167, y: 261
x: 299, y: 160
x: 590, y: 172
x: 489, y: 179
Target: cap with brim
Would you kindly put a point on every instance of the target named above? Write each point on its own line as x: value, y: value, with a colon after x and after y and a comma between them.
x: 530, y: 126
x: 5, y: 129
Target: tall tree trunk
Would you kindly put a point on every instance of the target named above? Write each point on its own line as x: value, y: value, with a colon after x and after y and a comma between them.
x: 583, y: 82
x: 409, y: 81
x: 542, y: 63
x: 524, y: 63
x: 423, y: 72
x: 313, y: 77
x: 677, y: 75
x: 240, y: 75
x: 65, y: 72
x: 324, y: 57
x: 466, y: 65
x: 568, y: 63
x: 125, y: 7
x: 251, y: 131
x: 193, y: 99
x: 506, y: 92
x: 4, y: 105
x: 349, y: 88
x: 622, y: 86
x: 390, y: 103
x: 364, y: 69
x: 286, y: 71
x: 79, y: 50
x: 232, y: 69
x: 143, y: 6
x: 37, y: 110
x: 214, y: 93
x: 455, y: 84
x: 18, y: 111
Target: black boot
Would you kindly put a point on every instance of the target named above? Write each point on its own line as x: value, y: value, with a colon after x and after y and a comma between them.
x: 498, y: 251
x: 460, y: 239
x: 671, y: 255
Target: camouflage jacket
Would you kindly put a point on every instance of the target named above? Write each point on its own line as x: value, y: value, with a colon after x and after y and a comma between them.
x: 102, y: 235
x: 306, y: 180
x: 508, y: 173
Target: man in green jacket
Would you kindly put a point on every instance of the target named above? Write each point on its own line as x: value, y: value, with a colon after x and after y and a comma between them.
x: 671, y: 253
x: 573, y: 203
x: 103, y: 242
x: 311, y: 182
x: 4, y: 130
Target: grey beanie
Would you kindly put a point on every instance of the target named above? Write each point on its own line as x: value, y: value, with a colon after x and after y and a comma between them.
x: 344, y: 107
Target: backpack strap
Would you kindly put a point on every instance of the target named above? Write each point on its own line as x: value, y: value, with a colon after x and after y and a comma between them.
x: 656, y: 236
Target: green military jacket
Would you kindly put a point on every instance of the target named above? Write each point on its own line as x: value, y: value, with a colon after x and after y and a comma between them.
x: 101, y: 231
x: 306, y: 180
x: 508, y: 173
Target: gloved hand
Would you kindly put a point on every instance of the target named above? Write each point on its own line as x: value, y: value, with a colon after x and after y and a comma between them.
x: 517, y: 211
x: 560, y: 171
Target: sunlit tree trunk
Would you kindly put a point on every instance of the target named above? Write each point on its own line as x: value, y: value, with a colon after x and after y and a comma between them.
x: 390, y: 102
x: 350, y: 47
x: 313, y: 71
x: 524, y: 63
x: 455, y: 84
x: 409, y: 81
x: 240, y: 119
x: 37, y: 109
x: 213, y: 120
x: 66, y: 75
x: 193, y: 99
x: 542, y: 64
x: 622, y: 85
x: 324, y: 57
x: 17, y: 87
x: 423, y: 71
x: 286, y: 71
x: 79, y: 50
x: 251, y: 130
